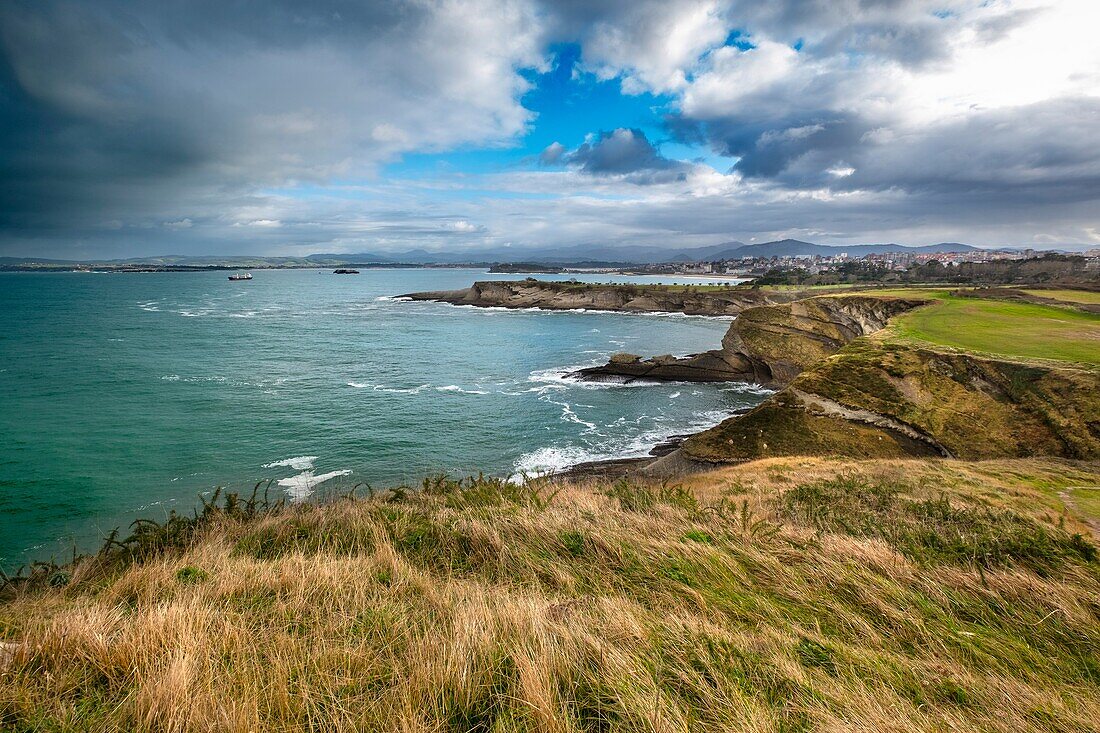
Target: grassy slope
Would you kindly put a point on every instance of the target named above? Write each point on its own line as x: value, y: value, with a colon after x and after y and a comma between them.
x: 778, y: 596
x: 1016, y: 404
x: 1013, y: 329
x: 1086, y: 297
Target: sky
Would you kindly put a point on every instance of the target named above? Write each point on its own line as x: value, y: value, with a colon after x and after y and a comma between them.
x: 290, y: 127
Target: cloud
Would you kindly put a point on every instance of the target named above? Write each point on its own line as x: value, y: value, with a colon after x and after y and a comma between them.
x: 132, y: 111
x: 832, y: 119
x: 649, y: 43
x: 623, y: 152
x: 552, y: 154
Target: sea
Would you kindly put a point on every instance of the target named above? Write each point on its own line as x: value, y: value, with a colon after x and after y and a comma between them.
x: 129, y: 395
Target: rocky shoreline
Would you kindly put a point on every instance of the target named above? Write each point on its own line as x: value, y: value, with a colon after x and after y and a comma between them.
x: 842, y: 390
x: 769, y: 345
x: 773, y: 338
x: 689, y: 300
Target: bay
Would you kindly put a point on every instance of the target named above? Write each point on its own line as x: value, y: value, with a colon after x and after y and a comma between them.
x: 128, y: 395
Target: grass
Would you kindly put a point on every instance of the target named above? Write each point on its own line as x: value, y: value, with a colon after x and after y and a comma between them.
x: 1004, y: 328
x: 1086, y: 297
x: 793, y: 595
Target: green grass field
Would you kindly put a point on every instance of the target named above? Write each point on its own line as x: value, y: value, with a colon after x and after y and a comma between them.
x: 1069, y: 296
x: 1022, y: 330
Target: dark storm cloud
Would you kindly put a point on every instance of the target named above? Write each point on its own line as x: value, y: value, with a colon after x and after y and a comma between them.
x: 117, y: 116
x: 232, y: 125
x: 625, y: 152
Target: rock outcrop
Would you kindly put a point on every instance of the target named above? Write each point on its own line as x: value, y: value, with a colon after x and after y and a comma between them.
x: 767, y: 345
x: 878, y: 399
x: 626, y: 298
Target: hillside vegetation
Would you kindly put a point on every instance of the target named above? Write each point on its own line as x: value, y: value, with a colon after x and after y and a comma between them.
x: 971, y: 375
x: 1005, y: 328
x: 779, y: 596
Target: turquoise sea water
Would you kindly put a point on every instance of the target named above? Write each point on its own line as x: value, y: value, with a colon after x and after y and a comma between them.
x: 127, y: 395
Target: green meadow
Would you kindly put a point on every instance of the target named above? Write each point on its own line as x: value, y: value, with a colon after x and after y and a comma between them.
x: 1006, y: 328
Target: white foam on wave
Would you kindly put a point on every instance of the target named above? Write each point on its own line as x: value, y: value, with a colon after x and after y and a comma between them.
x: 298, y: 463
x: 748, y: 388
x: 674, y: 395
x: 392, y: 390
x: 562, y: 378
x: 553, y: 458
x: 393, y: 299
x: 568, y: 414
x: 302, y: 485
x: 460, y: 390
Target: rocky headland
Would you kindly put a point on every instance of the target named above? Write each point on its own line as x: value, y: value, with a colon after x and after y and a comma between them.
x: 689, y: 299
x: 848, y: 387
x: 880, y: 399
x: 767, y: 345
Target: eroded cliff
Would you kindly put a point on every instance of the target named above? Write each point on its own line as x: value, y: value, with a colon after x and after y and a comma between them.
x: 692, y: 300
x: 768, y: 345
x: 878, y: 399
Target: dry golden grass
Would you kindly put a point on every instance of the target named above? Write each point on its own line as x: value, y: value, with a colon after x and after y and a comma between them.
x: 718, y: 606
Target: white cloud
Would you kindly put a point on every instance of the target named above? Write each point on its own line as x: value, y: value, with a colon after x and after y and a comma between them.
x: 897, y: 119
x: 653, y: 44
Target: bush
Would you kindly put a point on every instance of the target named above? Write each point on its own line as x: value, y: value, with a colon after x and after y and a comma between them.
x: 190, y: 574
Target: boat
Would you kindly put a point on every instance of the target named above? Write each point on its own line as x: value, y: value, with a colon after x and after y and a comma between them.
x: 343, y: 271
x: 240, y: 276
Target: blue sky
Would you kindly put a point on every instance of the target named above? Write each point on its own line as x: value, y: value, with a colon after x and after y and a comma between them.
x: 290, y: 127
x: 567, y: 105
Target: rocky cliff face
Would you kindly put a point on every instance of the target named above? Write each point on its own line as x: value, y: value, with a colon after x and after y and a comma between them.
x: 627, y: 298
x: 876, y: 399
x: 768, y: 345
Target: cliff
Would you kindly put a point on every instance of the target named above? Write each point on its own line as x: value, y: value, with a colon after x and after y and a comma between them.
x: 768, y: 345
x: 690, y: 299
x: 877, y: 399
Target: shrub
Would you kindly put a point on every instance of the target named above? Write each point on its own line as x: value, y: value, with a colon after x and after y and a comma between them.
x: 190, y: 574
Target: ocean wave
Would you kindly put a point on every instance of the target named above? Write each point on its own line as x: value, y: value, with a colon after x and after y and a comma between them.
x: 392, y: 390
x: 298, y: 463
x: 552, y: 459
x: 301, y: 486
x: 460, y: 390
x: 559, y: 457
x: 563, y: 377
x: 393, y: 299
x: 748, y: 388
x: 568, y: 414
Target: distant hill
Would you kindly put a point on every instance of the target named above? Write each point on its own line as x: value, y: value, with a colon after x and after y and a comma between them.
x: 797, y: 248
x: 594, y: 255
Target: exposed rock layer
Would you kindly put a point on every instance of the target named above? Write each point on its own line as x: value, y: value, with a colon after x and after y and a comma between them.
x: 768, y: 345
x: 877, y: 399
x: 626, y: 298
